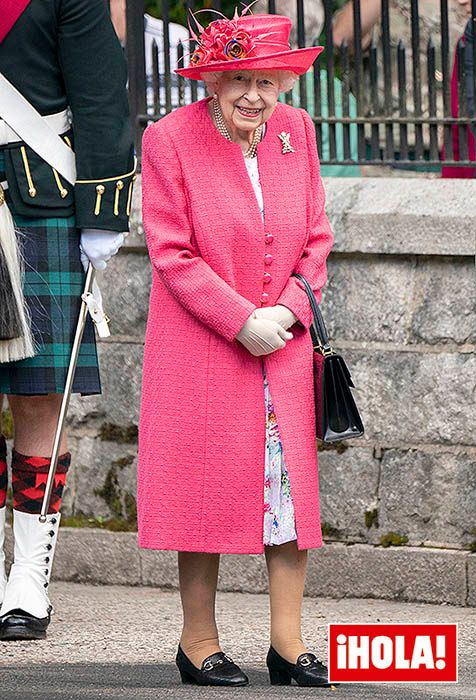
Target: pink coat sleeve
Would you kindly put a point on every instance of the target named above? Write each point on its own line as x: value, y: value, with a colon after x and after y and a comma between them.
x: 169, y: 237
x: 312, y: 263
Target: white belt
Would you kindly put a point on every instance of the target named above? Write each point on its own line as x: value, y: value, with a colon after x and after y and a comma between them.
x: 59, y: 122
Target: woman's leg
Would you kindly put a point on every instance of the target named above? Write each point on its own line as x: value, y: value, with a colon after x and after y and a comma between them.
x: 198, y: 577
x: 287, y: 573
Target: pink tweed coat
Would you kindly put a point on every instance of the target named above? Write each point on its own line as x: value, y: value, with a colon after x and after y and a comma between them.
x: 202, y: 422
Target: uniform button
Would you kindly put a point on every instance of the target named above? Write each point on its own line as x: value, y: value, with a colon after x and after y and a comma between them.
x: 267, y: 278
x: 264, y: 297
x: 268, y: 259
x: 268, y: 238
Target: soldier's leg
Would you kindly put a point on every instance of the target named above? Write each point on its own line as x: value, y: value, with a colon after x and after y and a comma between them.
x: 35, y: 419
x: 26, y: 608
x: 3, y: 496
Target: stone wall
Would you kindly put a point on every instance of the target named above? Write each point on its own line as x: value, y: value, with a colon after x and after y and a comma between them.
x: 400, y: 306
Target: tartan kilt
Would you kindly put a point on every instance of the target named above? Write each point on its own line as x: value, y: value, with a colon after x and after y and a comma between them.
x: 53, y: 284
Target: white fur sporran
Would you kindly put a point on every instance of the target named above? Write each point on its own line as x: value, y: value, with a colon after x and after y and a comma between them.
x: 13, y: 310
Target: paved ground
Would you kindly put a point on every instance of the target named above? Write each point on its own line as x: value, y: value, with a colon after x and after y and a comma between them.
x: 119, y: 643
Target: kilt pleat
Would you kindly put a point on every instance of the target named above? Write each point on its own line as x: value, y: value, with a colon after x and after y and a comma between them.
x: 53, y: 284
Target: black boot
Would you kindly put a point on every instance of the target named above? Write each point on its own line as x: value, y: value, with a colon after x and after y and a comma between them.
x: 307, y: 671
x: 217, y: 669
x: 20, y: 625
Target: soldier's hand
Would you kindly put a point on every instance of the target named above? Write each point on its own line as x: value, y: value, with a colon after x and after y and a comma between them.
x: 97, y: 246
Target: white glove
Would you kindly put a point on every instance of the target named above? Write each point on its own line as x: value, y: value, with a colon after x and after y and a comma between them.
x: 279, y: 313
x: 98, y: 246
x: 262, y: 336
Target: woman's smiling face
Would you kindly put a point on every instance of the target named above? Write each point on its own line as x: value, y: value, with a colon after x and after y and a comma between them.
x: 247, y: 97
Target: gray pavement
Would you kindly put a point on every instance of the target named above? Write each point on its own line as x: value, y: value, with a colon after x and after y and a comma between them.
x: 118, y: 642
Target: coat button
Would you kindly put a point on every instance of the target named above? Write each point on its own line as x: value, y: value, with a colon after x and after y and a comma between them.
x: 268, y: 238
x: 267, y: 278
x: 264, y: 297
x: 268, y: 259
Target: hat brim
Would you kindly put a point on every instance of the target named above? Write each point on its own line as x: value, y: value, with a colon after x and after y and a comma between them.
x: 297, y: 60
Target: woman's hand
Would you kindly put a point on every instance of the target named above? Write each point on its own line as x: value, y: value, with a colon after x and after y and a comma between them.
x: 262, y: 336
x: 279, y: 313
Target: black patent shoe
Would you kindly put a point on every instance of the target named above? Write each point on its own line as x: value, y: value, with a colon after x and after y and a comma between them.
x: 18, y: 625
x: 307, y: 671
x: 217, y: 669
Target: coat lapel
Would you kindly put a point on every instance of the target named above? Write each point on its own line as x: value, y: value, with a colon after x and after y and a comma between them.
x: 282, y: 177
x: 11, y: 11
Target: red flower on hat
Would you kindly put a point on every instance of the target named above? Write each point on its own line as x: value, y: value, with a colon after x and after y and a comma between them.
x: 200, y: 55
x: 222, y: 40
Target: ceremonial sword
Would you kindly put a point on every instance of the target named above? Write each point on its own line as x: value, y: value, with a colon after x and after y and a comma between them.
x: 90, y: 302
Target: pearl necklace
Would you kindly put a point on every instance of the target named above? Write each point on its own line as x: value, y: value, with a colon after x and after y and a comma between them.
x: 222, y: 128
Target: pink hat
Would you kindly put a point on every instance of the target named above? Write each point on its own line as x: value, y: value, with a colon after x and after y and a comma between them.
x: 250, y: 42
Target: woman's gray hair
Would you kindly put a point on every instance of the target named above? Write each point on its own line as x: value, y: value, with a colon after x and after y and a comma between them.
x: 286, y: 79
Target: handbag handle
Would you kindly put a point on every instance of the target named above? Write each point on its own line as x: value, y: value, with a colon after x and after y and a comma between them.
x: 318, y: 328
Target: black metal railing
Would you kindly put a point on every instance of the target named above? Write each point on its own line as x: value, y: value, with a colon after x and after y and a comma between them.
x: 390, y: 102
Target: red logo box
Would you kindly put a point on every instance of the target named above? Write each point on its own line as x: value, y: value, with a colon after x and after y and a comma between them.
x: 395, y: 653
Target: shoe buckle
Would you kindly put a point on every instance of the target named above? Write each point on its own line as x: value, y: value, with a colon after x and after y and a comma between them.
x: 208, y: 665
x: 306, y: 661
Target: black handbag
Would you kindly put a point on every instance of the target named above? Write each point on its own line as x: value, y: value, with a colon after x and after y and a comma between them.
x: 337, y: 416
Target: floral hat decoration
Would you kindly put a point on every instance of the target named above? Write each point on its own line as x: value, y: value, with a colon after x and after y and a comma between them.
x: 250, y: 42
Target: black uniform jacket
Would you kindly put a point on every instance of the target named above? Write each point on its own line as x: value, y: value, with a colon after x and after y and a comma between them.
x: 65, y: 53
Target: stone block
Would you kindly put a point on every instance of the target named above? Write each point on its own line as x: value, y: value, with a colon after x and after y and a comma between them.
x: 368, y: 298
x: 125, y: 287
x: 136, y: 238
x: 335, y: 570
x: 245, y: 573
x: 104, y: 478
x: 159, y: 568
x: 443, y: 301
x: 348, y: 486
x: 429, y: 494
x: 413, y: 397
x: 471, y: 580
x: 403, y: 216
x: 394, y: 573
x: 400, y: 216
x: 97, y: 556
x: 121, y: 379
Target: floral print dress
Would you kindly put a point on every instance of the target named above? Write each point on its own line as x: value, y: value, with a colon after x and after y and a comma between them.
x: 279, y: 524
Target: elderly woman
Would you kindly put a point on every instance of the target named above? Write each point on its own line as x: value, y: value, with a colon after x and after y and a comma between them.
x: 233, y: 204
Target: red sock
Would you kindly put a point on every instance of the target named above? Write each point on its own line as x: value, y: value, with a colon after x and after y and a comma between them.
x: 29, y: 477
x: 3, y: 471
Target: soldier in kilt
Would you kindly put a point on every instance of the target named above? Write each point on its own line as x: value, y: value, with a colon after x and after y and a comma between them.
x: 64, y: 57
